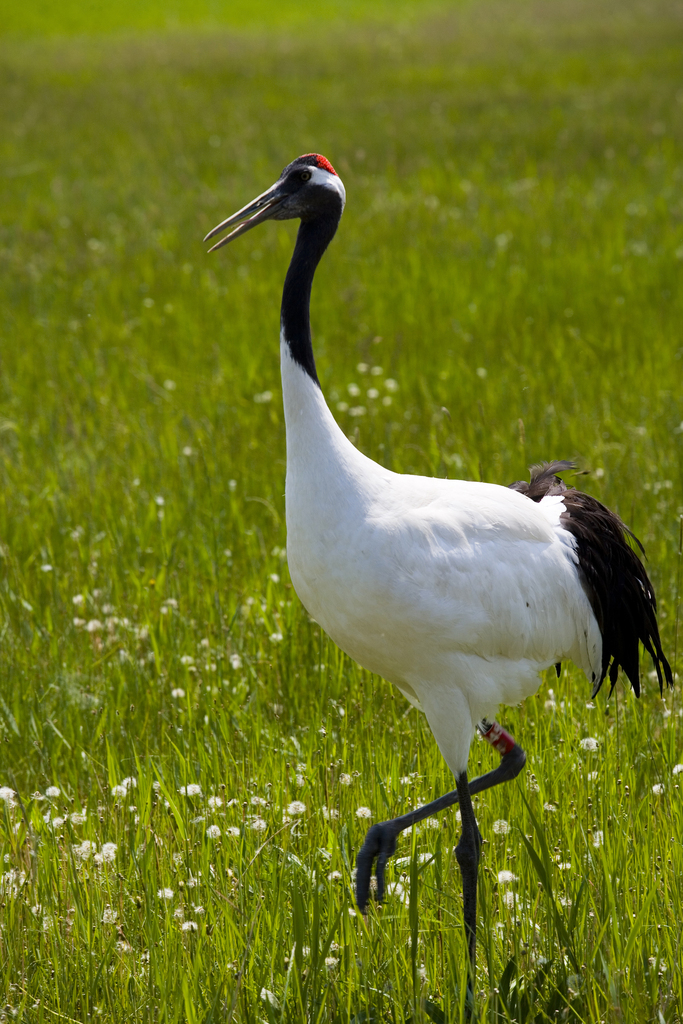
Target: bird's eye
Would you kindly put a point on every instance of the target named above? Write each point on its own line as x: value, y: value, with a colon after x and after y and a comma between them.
x: 305, y: 175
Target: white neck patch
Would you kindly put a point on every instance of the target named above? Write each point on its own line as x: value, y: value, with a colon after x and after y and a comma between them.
x: 319, y: 176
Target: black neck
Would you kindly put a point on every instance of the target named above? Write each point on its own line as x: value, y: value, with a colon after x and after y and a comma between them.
x: 313, y: 238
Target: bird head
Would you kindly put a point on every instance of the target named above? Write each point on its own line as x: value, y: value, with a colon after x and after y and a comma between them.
x: 307, y: 189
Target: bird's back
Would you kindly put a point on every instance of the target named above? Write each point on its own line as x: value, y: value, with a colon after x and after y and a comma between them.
x: 415, y: 576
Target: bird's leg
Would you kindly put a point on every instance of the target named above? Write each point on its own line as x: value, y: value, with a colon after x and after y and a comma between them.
x: 467, y: 855
x: 380, y: 842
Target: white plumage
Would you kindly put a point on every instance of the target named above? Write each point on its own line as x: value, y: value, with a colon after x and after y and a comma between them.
x: 458, y: 592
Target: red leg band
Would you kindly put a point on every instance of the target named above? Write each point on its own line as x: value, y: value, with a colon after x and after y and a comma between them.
x: 499, y: 739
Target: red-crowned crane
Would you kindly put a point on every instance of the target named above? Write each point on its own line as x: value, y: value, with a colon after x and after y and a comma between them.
x: 458, y: 592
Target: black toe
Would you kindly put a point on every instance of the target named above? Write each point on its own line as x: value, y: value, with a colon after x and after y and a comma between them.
x: 380, y: 844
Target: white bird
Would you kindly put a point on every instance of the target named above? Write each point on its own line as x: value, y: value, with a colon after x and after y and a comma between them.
x: 458, y: 592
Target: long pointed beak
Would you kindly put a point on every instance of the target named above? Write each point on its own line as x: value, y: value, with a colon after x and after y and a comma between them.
x: 260, y: 209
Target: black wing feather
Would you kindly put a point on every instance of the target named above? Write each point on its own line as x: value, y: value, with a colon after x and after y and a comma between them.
x: 618, y: 587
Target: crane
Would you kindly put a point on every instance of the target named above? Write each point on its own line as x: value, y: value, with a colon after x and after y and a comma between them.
x: 458, y: 592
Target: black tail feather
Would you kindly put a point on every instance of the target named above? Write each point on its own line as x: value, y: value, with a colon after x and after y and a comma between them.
x: 621, y: 595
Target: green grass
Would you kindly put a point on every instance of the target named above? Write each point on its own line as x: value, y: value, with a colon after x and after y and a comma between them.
x: 78, y: 17
x: 511, y: 256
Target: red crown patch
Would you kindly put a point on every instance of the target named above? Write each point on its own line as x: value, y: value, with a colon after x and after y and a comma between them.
x: 320, y: 161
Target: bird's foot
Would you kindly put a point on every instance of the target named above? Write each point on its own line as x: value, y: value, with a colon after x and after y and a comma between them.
x: 379, y: 845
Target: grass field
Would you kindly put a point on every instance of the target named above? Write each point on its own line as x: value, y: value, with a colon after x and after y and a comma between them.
x: 82, y: 17
x: 188, y: 763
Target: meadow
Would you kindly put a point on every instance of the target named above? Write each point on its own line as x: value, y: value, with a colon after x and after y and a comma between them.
x: 188, y: 766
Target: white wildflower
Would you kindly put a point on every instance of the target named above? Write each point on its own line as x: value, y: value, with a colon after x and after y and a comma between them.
x: 94, y: 626
x: 108, y: 853
x: 192, y: 789
x: 78, y: 600
x: 432, y: 823
x: 598, y: 838
x: 235, y: 661
x: 52, y: 792
x: 330, y: 813
x: 11, y: 882
x: 232, y: 831
x: 549, y: 807
x: 189, y: 926
x: 363, y: 812
x: 213, y: 832
x: 178, y: 692
x: 422, y: 858
x: 7, y: 795
x: 296, y: 807
x: 334, y: 876
x: 187, y: 659
x: 109, y: 916
x: 214, y: 802
x: 84, y: 850
x: 589, y: 743
x: 258, y: 801
x: 165, y: 894
x: 677, y: 769
x: 258, y: 824
x: 345, y: 779
x: 275, y: 638
x: 658, y: 788
x: 505, y: 877
x: 77, y: 818
x: 331, y: 962
x: 501, y: 827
